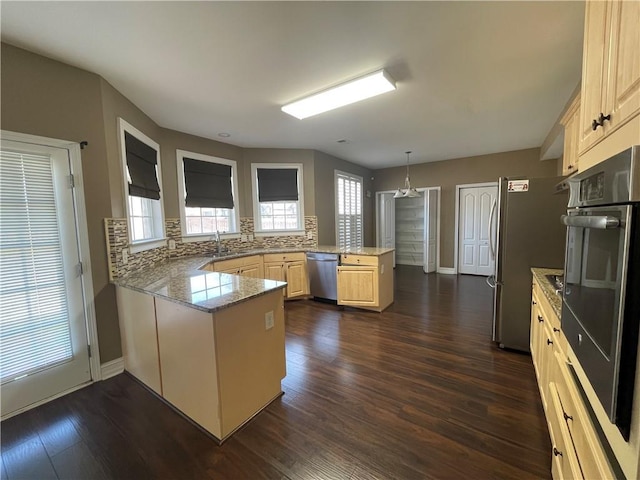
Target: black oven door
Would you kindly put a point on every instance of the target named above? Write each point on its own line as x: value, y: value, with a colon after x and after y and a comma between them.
x: 594, y: 294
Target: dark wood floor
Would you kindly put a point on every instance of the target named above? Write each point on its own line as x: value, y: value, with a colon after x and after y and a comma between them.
x: 418, y: 392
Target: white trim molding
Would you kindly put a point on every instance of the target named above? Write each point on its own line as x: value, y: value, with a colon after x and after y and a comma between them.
x: 112, y: 368
x: 447, y: 270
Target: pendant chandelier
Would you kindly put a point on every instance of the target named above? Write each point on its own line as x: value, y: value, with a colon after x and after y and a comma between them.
x: 407, y: 191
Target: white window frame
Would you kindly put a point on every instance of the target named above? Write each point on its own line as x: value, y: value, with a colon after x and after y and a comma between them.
x: 235, y: 215
x: 351, y: 176
x: 159, y: 239
x: 258, y: 232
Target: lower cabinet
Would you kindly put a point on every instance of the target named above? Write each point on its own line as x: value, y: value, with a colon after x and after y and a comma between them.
x: 251, y: 266
x: 290, y: 268
x: 366, y: 281
x: 219, y: 368
x: 577, y: 452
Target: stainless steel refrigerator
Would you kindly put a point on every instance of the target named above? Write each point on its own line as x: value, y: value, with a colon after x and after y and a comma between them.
x: 527, y: 233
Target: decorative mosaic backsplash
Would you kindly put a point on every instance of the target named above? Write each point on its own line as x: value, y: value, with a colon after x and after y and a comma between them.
x: 118, y: 242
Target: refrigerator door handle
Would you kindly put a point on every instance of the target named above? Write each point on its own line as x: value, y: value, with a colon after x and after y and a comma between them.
x: 491, y: 246
x: 596, y: 222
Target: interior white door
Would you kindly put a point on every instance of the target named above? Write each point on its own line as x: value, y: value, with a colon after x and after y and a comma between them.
x: 386, y: 222
x: 474, y: 255
x: 431, y: 227
x: 43, y: 331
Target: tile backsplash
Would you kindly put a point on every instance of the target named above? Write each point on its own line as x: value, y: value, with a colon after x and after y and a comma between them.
x: 118, y: 244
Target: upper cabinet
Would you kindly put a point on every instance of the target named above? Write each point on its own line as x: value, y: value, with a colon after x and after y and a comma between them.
x: 571, y: 123
x: 610, y: 95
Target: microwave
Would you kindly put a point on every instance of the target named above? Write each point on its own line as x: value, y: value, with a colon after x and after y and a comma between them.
x: 601, y: 298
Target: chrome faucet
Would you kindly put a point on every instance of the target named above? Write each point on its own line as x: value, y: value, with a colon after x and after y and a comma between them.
x: 216, y: 238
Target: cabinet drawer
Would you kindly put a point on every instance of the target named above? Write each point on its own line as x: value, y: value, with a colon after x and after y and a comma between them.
x: 228, y: 265
x: 585, y: 441
x: 284, y: 257
x: 348, y: 259
x: 564, y: 459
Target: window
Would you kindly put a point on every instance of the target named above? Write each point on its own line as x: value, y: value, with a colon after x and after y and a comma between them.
x: 206, y: 188
x: 277, y: 198
x: 349, y: 229
x: 142, y: 180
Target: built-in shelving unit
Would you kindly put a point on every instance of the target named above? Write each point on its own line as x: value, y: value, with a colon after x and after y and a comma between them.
x: 410, y: 231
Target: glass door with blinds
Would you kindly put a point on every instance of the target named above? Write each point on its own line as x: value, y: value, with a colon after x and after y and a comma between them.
x: 43, y: 328
x: 349, y: 222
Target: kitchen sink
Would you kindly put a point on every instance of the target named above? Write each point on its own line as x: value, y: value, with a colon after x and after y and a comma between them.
x: 557, y: 281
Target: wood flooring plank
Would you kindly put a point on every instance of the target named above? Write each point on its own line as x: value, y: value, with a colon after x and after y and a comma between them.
x: 28, y: 460
x: 77, y: 462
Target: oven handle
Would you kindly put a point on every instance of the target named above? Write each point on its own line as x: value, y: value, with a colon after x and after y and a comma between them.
x: 597, y: 222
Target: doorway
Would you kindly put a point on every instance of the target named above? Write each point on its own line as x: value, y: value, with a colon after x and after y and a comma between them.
x: 474, y: 209
x: 43, y: 296
x: 410, y: 225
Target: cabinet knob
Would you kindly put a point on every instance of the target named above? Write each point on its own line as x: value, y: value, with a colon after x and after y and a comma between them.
x: 534, y: 302
x: 540, y: 319
x: 594, y: 125
x: 603, y: 117
x: 570, y: 167
x: 567, y: 417
x: 557, y: 452
x: 549, y: 342
x: 556, y: 329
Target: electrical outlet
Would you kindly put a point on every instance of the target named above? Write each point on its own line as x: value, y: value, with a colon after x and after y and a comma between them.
x: 310, y: 235
x: 250, y: 237
x: 243, y: 237
x: 268, y: 320
x: 125, y: 256
x: 172, y: 244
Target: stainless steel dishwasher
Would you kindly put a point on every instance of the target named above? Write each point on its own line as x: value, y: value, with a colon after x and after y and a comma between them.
x: 323, y: 275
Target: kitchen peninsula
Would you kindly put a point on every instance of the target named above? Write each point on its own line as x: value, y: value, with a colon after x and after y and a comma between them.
x: 211, y: 344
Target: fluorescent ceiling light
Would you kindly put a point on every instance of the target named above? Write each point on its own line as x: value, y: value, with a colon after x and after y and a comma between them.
x: 344, y: 94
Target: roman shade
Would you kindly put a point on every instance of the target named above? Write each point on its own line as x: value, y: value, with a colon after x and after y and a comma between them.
x: 141, y: 163
x: 277, y: 184
x: 207, y: 184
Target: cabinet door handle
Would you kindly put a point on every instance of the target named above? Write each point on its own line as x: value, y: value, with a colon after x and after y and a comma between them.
x: 567, y: 417
x: 534, y: 302
x: 549, y: 342
x: 540, y: 319
x: 557, y: 452
x: 594, y: 125
x: 556, y: 329
x: 603, y: 117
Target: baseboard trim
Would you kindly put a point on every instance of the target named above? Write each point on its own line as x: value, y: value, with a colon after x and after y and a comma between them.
x: 112, y: 368
x: 447, y: 270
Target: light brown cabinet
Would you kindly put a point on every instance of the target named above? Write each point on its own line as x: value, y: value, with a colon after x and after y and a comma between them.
x: 610, y: 96
x: 571, y: 123
x: 250, y: 266
x: 366, y: 281
x: 576, y: 450
x: 219, y: 368
x: 290, y: 268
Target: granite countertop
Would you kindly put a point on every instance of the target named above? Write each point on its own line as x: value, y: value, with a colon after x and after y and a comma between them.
x: 371, y: 251
x: 547, y: 288
x: 181, y: 281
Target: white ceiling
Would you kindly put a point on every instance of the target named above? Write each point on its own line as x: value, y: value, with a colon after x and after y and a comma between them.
x: 472, y: 77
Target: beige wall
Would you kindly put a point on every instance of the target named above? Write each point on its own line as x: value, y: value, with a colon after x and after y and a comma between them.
x: 448, y: 174
x: 324, y: 168
x: 44, y: 97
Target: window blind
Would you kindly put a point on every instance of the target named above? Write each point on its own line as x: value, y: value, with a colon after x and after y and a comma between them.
x: 207, y: 184
x: 349, y: 228
x: 277, y: 184
x: 141, y: 163
x: 34, y: 316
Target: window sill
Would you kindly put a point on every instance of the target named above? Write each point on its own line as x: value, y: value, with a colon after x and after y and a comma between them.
x: 279, y: 233
x: 208, y: 237
x: 144, y: 245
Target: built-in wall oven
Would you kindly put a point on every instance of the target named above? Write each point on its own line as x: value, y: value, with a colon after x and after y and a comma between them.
x: 601, y: 298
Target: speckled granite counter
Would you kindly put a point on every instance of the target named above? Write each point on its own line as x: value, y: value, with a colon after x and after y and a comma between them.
x: 547, y: 288
x: 371, y: 251
x: 181, y: 281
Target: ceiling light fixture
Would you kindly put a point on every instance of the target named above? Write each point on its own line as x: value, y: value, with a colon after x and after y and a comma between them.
x: 341, y: 95
x: 407, y: 192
